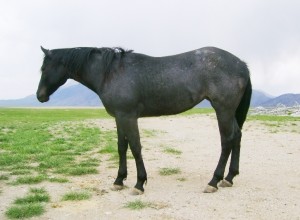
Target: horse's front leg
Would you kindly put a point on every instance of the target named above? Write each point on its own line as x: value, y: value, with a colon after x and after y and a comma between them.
x: 128, y: 126
x: 122, y: 150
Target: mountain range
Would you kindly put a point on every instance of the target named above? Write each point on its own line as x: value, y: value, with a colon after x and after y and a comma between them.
x: 78, y: 95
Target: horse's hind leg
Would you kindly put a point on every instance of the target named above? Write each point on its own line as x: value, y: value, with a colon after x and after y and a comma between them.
x: 234, y: 163
x: 230, y: 133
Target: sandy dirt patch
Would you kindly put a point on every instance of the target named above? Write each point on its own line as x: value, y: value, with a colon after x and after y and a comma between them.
x: 268, y: 186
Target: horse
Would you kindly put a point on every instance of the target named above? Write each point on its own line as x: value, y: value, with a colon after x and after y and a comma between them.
x: 132, y: 85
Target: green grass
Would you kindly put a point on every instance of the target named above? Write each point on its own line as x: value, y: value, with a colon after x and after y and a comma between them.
x: 20, y: 172
x: 29, y: 206
x: 53, y: 144
x: 90, y: 162
x: 33, y: 199
x: 76, y: 196
x: 194, y: 111
x: 149, y: 132
x: 25, y: 211
x: 24, y: 115
x: 277, y: 123
x: 58, y: 180
x: 4, y: 177
x: 44, y: 142
x: 48, y: 145
x: 109, y: 145
x: 137, y: 205
x: 273, y: 118
x: 38, y: 190
x: 170, y: 150
x: 77, y: 171
x: 169, y: 171
x: 29, y: 179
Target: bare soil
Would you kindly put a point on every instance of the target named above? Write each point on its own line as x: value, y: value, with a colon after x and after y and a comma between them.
x: 268, y: 186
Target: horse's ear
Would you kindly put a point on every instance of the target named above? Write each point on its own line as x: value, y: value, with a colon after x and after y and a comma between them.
x: 46, y: 52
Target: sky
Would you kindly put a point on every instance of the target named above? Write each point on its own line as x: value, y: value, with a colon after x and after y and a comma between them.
x: 265, y: 34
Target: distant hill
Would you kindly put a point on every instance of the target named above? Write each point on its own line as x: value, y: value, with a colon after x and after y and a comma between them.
x: 79, y: 95
x: 76, y: 95
x: 286, y: 99
x: 259, y: 97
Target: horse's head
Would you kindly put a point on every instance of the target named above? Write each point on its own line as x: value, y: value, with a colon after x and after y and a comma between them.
x: 54, y: 74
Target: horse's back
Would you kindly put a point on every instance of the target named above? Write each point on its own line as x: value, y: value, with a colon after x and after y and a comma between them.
x: 203, y: 73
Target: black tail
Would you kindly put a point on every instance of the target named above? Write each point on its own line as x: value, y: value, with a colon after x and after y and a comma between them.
x: 242, y: 109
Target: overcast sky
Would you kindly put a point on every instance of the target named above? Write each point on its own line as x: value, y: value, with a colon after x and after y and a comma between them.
x: 264, y: 33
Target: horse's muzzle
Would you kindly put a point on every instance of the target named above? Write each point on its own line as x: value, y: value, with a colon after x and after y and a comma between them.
x: 43, y: 98
x: 42, y: 94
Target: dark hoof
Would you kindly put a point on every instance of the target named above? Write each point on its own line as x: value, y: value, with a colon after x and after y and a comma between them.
x: 117, y: 187
x: 225, y: 183
x: 210, y: 189
x: 136, y: 192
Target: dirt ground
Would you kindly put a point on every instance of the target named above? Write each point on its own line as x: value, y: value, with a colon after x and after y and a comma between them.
x: 268, y: 186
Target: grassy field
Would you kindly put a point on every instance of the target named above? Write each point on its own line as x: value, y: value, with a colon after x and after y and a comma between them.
x: 278, y: 123
x: 52, y: 145
x: 43, y: 144
x: 38, y: 143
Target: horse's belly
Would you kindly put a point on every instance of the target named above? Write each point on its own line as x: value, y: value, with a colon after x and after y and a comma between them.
x: 170, y: 103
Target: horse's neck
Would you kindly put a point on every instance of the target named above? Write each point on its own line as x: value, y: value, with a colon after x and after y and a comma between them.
x: 90, y: 80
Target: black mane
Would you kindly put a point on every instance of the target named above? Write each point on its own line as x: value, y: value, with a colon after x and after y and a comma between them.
x: 74, y: 59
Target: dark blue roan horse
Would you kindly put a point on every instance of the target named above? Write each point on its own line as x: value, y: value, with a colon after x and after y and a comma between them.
x: 133, y: 85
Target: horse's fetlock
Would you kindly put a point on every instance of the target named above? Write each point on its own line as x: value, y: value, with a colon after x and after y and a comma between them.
x: 142, y: 178
x: 218, y: 177
x: 234, y: 172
